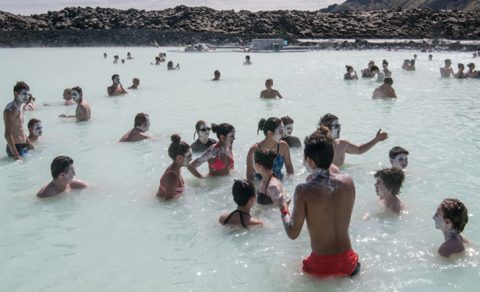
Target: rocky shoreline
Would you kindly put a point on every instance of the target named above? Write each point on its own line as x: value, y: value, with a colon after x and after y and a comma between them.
x: 183, y: 25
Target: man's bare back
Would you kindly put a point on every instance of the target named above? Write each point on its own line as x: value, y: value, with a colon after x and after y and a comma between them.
x: 82, y: 112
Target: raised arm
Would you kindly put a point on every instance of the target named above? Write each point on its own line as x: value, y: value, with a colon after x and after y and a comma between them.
x: 354, y: 149
x: 293, y: 223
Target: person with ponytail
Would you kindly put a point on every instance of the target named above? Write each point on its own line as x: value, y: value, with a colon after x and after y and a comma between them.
x: 219, y: 155
x: 171, y: 183
x: 203, y: 142
x: 271, y: 189
x: 273, y: 130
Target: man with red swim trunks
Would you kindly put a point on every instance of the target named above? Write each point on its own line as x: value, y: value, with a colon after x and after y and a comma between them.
x: 325, y: 201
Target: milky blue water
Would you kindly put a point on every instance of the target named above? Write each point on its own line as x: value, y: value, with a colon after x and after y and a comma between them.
x: 116, y: 236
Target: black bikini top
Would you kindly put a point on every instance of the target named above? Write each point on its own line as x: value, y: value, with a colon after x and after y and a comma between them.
x: 241, y: 213
x: 262, y: 198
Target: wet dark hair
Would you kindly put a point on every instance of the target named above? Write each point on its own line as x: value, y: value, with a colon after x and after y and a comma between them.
x: 348, y: 67
x: 140, y: 119
x: 268, y: 125
x: 32, y: 123
x: 286, y: 120
x: 374, y: 68
x: 197, y: 127
x: 77, y: 89
x: 388, y: 81
x: 456, y: 211
x: 460, y: 65
x: 177, y: 147
x: 222, y: 129
x: 264, y: 157
x: 19, y: 86
x: 60, y: 165
x: 392, y: 178
x: 396, y: 151
x: 327, y: 120
x: 242, y: 191
x: 170, y: 64
x: 115, y: 75
x: 319, y: 147
x: 216, y: 72
x: 385, y: 62
x: 247, y: 57
x: 412, y: 62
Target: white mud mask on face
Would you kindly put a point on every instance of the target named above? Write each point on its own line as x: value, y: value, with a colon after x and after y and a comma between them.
x: 400, y: 161
x: 277, y: 136
x: 288, y: 130
x: 75, y: 95
x: 37, y: 129
x: 22, y: 97
x: 230, y: 138
x: 335, y: 129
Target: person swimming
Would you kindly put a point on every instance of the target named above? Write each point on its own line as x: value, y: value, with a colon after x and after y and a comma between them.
x: 244, y: 196
x: 270, y: 189
x: 451, y: 218
x: 171, y: 183
x: 203, y: 142
x: 292, y: 141
x: 220, y: 155
x: 135, y: 83
x: 273, y: 130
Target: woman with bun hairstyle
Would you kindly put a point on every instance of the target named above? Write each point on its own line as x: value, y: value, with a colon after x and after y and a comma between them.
x: 203, y: 142
x: 219, y: 155
x: 270, y: 189
x: 171, y: 183
x: 273, y: 130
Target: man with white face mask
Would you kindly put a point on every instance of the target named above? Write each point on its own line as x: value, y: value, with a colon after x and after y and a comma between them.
x: 388, y: 184
x: 451, y: 218
x: 82, y: 112
x: 292, y: 141
x: 343, y: 146
x: 398, y: 157
x: 34, y: 130
x: 17, y: 141
x: 63, y: 180
x: 140, y: 126
x: 116, y: 88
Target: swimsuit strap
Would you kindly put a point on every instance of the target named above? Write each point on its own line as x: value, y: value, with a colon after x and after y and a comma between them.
x: 241, y: 213
x: 268, y: 181
x: 278, y: 148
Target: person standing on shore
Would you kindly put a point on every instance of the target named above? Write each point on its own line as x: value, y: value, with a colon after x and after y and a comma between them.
x: 325, y: 201
x: 13, y: 118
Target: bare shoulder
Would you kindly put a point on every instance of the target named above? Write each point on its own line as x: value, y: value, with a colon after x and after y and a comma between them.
x: 222, y: 218
x: 46, y: 191
x: 284, y: 146
x: 77, y: 184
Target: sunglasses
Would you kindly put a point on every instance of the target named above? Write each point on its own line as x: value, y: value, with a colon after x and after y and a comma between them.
x: 204, y: 129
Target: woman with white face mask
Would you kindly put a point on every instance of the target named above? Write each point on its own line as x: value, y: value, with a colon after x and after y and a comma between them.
x: 273, y: 130
x: 202, y: 129
x: 171, y: 183
x: 34, y: 129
